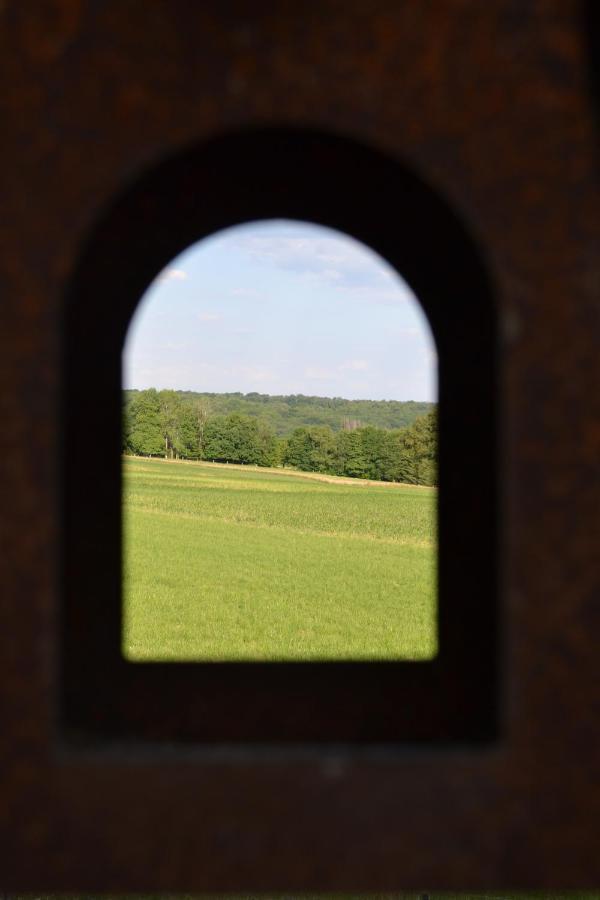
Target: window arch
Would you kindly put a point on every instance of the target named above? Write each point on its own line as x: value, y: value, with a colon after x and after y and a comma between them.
x: 335, y: 182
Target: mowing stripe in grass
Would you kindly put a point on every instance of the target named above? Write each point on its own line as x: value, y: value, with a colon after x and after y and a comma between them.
x: 245, y: 568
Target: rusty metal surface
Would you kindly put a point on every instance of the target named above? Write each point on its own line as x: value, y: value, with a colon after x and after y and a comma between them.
x: 490, y: 103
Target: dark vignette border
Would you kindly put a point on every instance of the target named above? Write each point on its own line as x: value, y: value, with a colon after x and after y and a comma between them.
x: 333, y: 181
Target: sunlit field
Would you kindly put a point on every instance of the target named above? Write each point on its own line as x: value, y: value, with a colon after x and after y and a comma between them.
x: 234, y: 563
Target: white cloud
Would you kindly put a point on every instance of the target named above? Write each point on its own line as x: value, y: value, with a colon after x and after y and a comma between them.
x: 397, y: 294
x: 332, y: 258
x: 208, y: 317
x: 172, y: 275
x: 328, y: 260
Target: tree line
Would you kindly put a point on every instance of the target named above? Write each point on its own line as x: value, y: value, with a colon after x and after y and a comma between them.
x: 167, y: 423
x: 284, y: 412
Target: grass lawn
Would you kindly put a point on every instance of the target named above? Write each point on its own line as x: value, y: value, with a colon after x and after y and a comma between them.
x: 235, y: 563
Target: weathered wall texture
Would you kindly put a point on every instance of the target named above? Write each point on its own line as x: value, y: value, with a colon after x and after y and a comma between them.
x: 489, y: 101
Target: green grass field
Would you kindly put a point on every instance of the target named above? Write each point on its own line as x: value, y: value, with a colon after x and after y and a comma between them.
x: 235, y: 563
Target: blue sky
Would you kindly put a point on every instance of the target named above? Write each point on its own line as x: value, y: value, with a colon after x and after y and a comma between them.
x: 281, y: 307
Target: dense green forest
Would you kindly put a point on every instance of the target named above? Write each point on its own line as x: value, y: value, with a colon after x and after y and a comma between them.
x: 185, y: 425
x: 284, y: 413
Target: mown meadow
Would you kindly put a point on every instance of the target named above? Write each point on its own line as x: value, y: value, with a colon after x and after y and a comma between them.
x: 226, y: 562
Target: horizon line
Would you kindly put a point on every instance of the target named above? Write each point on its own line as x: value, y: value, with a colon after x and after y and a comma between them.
x: 259, y: 394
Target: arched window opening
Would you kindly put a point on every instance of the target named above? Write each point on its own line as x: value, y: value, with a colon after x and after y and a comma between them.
x: 280, y: 441
x: 449, y: 693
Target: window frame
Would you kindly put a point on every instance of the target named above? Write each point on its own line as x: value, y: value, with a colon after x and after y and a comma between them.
x: 335, y: 182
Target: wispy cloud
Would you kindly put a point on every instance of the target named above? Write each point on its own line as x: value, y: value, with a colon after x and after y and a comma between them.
x: 324, y: 259
x: 208, y: 317
x: 170, y: 274
x: 334, y: 260
x: 393, y: 293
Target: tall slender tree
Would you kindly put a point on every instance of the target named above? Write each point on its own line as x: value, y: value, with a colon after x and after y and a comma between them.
x: 170, y: 422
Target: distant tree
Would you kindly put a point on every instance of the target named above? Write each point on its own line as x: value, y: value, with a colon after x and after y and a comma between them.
x: 126, y: 425
x: 420, y: 444
x: 144, y: 423
x: 373, y: 443
x: 217, y: 441
x: 279, y: 452
x: 298, y: 449
x: 201, y: 410
x: 187, y: 443
x: 429, y: 448
x: 240, y: 439
x: 350, y: 458
x: 398, y: 464
x: 267, y: 444
x: 170, y: 422
x: 246, y: 440
x: 312, y: 449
